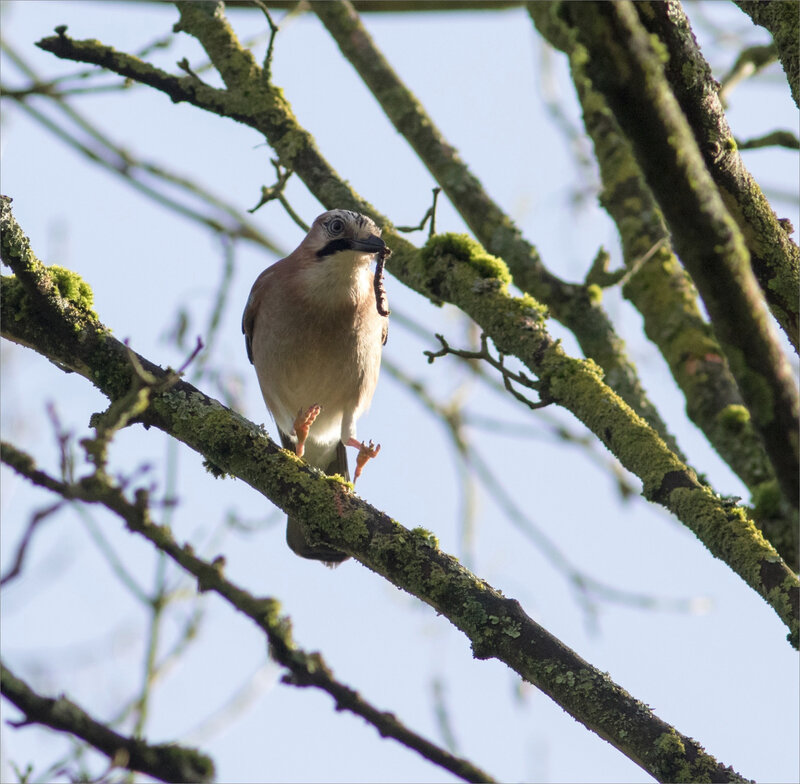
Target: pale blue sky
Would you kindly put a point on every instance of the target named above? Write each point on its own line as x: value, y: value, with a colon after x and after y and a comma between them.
x: 725, y: 676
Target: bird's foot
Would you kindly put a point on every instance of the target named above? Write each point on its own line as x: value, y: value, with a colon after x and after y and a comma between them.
x: 365, y: 452
x: 302, y: 424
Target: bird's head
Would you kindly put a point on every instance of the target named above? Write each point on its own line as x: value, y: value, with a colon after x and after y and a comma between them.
x: 336, y: 254
x: 338, y: 231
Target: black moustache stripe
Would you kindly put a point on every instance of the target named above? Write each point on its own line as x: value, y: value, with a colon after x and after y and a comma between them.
x: 334, y: 246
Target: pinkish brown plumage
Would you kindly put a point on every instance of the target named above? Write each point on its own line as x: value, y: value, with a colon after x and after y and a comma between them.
x: 314, y: 334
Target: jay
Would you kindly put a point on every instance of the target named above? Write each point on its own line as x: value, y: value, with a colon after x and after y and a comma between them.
x: 314, y: 326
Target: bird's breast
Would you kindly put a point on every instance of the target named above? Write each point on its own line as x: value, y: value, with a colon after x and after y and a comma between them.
x: 308, y: 353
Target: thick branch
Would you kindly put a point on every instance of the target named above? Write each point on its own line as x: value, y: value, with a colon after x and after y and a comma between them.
x: 166, y: 762
x: 663, y: 293
x: 775, y: 259
x: 625, y: 67
x: 782, y: 19
x: 330, y: 512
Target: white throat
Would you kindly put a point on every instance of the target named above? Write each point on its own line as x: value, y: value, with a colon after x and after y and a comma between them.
x: 339, y: 279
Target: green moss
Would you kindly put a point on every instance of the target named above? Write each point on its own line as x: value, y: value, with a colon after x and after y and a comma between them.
x: 15, y: 301
x: 108, y: 373
x: 595, y: 293
x: 509, y: 627
x: 671, y: 758
x: 354, y: 527
x: 292, y: 143
x: 455, y: 268
x: 565, y: 679
x: 621, y: 174
x: 463, y: 248
x: 475, y: 622
x: 675, y: 763
x: 767, y: 499
x: 670, y: 743
x: 734, y: 417
x: 474, y: 615
x: 688, y: 74
x: 755, y: 387
x: 214, y: 469
x: 587, y: 683
x: 425, y: 536
x: 399, y: 552
x: 72, y: 287
x: 69, y: 286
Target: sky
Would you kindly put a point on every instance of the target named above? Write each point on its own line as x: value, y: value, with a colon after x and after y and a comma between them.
x: 718, y: 669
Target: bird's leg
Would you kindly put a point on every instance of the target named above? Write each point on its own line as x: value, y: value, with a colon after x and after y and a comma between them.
x: 365, y: 452
x: 302, y: 424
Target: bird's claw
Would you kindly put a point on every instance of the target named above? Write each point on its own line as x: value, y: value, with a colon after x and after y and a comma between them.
x: 302, y: 424
x: 365, y: 452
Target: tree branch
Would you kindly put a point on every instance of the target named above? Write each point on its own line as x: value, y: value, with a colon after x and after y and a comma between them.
x: 664, y: 294
x: 752, y: 60
x: 774, y: 258
x: 498, y: 364
x: 628, y: 71
x: 787, y: 139
x: 783, y: 22
x: 220, y: 217
x: 587, y: 589
x: 166, y: 762
x: 388, y: 6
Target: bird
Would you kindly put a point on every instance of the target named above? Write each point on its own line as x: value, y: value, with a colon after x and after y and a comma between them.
x: 315, y: 324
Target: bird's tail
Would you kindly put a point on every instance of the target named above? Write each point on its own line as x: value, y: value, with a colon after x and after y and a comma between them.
x: 294, y: 532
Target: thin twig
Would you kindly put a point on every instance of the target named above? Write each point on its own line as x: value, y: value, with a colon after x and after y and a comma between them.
x: 22, y: 549
x: 276, y: 192
x: 787, y: 139
x: 429, y: 215
x: 183, y: 64
x: 114, y: 157
x: 266, y: 68
x: 507, y: 375
x: 752, y: 60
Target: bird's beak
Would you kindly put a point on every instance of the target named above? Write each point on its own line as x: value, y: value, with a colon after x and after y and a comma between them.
x: 371, y: 244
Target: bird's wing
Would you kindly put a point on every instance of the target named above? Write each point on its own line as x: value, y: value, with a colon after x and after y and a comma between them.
x: 252, y: 307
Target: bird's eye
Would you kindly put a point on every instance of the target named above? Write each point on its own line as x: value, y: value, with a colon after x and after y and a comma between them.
x: 336, y: 226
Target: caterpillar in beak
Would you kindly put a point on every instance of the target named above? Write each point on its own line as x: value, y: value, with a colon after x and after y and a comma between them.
x: 380, y: 292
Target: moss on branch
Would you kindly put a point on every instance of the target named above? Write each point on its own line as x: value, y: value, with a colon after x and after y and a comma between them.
x: 661, y: 290
x: 628, y: 69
